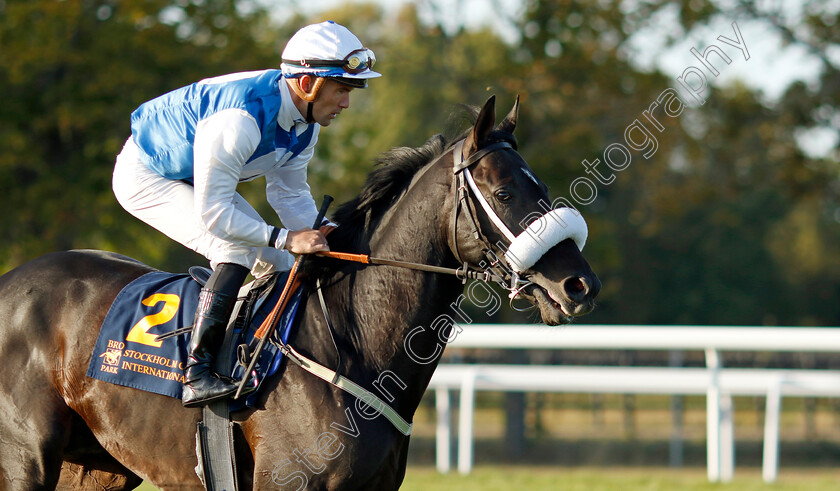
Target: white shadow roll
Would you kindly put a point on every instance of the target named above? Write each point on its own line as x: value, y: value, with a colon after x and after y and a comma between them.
x: 543, y: 234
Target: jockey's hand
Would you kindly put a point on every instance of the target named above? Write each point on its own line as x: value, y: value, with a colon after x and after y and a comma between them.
x: 306, y: 241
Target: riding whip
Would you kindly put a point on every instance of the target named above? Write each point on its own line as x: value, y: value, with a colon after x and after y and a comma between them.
x: 267, y: 328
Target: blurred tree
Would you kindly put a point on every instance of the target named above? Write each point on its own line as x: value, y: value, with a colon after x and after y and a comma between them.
x: 692, y: 232
x: 71, y: 73
x: 733, y: 219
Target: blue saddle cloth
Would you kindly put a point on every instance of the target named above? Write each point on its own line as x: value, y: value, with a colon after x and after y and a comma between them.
x: 127, y: 352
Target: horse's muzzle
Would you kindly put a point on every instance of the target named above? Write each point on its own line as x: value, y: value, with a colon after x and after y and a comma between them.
x: 560, y: 302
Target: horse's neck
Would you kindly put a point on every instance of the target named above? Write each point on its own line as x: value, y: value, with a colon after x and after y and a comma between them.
x: 394, y: 317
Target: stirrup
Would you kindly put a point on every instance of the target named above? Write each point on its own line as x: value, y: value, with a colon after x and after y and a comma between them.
x: 196, y: 402
x: 207, y: 400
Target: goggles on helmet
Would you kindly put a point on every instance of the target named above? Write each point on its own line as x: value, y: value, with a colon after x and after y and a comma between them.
x: 356, y: 62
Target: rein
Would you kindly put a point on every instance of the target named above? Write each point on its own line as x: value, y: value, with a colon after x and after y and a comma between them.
x: 464, y: 273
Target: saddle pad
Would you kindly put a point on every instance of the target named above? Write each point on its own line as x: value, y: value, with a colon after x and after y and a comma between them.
x: 126, y: 352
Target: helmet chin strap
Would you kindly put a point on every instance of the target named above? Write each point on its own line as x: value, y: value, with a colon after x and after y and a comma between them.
x: 310, y: 96
x: 309, y: 118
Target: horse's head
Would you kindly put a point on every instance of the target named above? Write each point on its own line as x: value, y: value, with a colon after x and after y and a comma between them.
x: 502, y: 215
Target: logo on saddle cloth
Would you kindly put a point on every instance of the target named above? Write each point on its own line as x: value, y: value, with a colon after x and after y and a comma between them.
x: 128, y: 353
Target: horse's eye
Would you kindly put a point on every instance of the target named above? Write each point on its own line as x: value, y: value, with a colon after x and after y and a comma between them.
x: 503, y: 195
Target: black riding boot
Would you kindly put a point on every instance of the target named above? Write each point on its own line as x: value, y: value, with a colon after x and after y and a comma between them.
x: 202, y: 385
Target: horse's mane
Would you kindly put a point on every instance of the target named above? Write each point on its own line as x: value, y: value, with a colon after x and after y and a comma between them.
x: 394, y: 170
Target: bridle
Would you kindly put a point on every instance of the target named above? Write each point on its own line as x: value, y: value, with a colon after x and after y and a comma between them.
x: 465, y: 186
x: 495, y: 268
x: 522, y: 251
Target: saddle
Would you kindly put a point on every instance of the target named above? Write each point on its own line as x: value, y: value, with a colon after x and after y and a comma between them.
x: 144, y: 337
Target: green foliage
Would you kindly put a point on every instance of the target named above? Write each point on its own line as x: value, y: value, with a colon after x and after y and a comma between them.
x: 71, y: 72
x: 714, y: 227
x: 729, y: 221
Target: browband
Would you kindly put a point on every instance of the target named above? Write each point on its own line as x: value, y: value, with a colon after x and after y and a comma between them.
x: 463, y: 164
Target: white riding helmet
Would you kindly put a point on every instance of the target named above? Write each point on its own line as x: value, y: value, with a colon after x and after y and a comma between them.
x: 328, y: 50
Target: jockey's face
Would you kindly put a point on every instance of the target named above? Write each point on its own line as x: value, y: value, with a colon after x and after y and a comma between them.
x: 333, y: 98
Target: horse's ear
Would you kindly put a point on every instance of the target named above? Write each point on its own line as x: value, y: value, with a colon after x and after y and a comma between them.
x: 483, y: 125
x: 509, y: 123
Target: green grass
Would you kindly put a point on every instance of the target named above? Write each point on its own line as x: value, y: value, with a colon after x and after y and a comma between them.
x: 515, y: 478
x: 610, y: 479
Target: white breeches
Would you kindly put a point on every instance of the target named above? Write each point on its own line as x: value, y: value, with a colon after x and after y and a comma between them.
x: 169, y: 206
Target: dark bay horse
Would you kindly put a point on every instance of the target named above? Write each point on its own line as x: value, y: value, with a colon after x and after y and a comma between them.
x: 62, y: 429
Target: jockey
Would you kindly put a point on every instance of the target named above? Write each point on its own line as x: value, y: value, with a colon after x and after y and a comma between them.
x: 190, y: 148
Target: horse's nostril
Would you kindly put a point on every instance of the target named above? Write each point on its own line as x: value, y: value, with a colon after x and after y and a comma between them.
x: 574, y: 286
